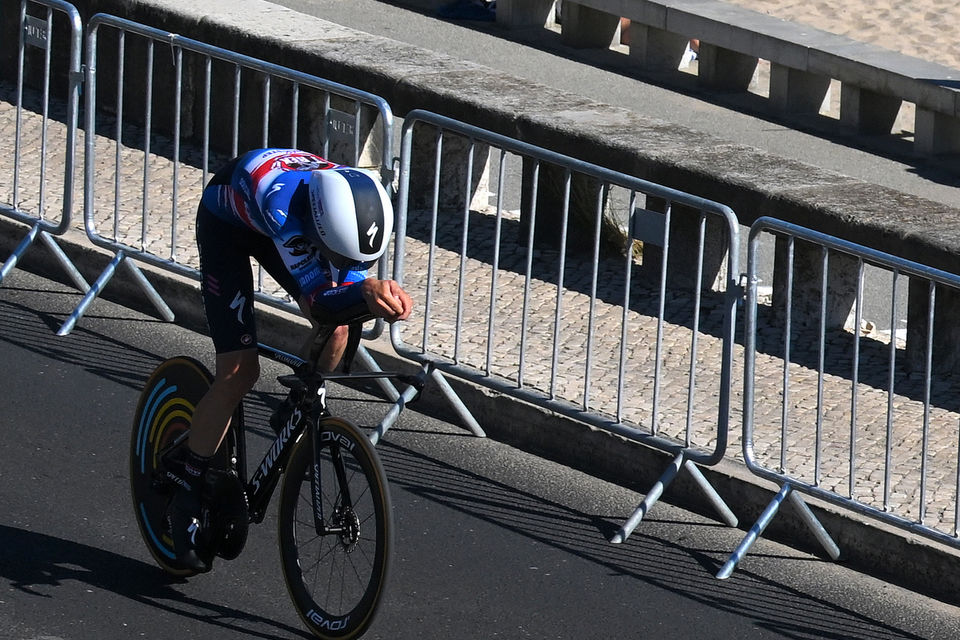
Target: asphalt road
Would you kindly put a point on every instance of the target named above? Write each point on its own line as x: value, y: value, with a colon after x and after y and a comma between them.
x: 491, y: 542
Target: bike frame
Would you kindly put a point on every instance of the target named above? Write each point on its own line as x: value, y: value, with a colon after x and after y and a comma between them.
x: 262, y: 483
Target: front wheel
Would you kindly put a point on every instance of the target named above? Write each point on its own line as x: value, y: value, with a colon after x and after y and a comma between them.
x: 335, y: 529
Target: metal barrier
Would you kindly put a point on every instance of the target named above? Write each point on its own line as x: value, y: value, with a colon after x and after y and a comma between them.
x: 861, y: 419
x: 591, y: 293
x: 43, y: 169
x: 156, y: 175
x: 541, y: 295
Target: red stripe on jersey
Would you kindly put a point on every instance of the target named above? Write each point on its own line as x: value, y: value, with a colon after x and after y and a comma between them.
x: 240, y: 206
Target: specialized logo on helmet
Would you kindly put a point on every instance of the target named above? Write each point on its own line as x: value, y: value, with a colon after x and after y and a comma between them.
x: 371, y: 234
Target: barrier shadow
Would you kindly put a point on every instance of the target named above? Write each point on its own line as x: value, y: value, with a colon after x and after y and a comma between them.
x: 647, y: 560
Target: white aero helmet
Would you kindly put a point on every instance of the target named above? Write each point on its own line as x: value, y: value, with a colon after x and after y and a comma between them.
x: 351, y: 214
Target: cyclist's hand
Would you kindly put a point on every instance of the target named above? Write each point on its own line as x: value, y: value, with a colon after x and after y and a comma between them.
x: 386, y: 299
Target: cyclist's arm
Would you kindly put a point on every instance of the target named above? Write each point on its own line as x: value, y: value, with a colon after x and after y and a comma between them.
x: 370, y: 297
x: 349, y: 305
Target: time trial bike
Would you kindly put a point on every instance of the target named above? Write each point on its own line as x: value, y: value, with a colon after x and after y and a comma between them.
x: 334, y: 517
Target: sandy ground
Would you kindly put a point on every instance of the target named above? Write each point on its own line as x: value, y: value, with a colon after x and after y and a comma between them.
x: 918, y: 28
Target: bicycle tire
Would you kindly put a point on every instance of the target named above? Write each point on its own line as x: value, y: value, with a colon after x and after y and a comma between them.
x: 163, y: 413
x: 336, y: 581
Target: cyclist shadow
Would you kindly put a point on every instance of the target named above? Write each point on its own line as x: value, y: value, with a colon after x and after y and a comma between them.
x: 34, y: 562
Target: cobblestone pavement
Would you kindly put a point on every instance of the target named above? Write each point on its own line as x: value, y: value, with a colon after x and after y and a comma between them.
x: 907, y: 467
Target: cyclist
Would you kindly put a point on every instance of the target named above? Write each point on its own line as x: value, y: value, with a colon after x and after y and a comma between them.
x: 316, y: 227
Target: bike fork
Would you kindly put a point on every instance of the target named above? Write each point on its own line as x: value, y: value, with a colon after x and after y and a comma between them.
x: 342, y: 500
x: 316, y: 488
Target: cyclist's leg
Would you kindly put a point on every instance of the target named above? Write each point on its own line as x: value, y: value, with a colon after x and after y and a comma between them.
x: 227, y: 287
x: 333, y: 350
x: 236, y: 373
x: 332, y: 353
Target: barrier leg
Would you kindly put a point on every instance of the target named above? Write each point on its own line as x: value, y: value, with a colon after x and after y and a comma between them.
x: 91, y: 295
x: 410, y: 392
x: 656, y: 491
x: 65, y: 262
x: 102, y: 281
x: 11, y: 261
x: 744, y: 547
x: 55, y: 249
x: 813, y: 523
x: 385, y: 385
x: 165, y: 311
x: 725, y: 513
x: 468, y: 420
x: 398, y: 405
x: 650, y: 499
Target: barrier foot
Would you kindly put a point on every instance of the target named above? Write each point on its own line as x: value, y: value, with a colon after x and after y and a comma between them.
x: 813, y: 523
x: 744, y: 547
x: 14, y: 257
x: 649, y: 500
x: 398, y: 405
x: 78, y: 280
x: 385, y: 385
x: 726, y: 513
x: 162, y: 308
x: 91, y: 295
x: 468, y: 420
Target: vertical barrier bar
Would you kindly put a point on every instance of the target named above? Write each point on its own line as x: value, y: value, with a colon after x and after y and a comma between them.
x: 562, y: 262
x: 821, y: 357
x: 855, y: 378
x: 177, y: 98
x: 591, y: 313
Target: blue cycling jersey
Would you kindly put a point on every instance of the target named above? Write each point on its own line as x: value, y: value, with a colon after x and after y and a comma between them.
x: 267, y: 193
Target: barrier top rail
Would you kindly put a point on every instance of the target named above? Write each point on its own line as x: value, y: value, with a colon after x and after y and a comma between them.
x: 178, y: 42
x: 898, y: 267
x: 868, y: 254
x: 609, y: 177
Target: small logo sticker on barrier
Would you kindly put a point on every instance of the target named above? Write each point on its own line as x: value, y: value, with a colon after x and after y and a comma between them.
x: 35, y: 32
x: 341, y: 126
x: 649, y: 226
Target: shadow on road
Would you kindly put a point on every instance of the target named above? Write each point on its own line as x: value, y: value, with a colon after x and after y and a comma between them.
x: 33, y: 563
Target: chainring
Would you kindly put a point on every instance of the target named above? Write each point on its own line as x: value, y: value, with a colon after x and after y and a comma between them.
x: 230, y: 518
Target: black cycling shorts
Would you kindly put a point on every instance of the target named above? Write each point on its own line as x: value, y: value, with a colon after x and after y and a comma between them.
x: 227, y: 285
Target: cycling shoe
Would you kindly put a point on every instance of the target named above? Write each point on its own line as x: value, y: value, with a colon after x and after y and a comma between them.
x: 185, y: 517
